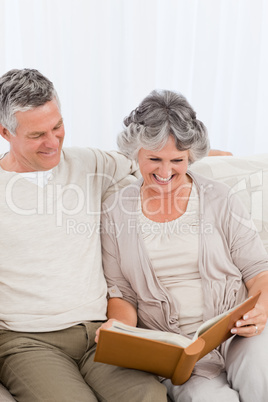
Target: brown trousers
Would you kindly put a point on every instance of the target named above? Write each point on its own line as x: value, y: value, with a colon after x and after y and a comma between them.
x: 58, y: 367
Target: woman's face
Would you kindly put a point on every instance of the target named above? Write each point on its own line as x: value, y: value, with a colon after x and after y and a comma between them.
x: 164, y: 171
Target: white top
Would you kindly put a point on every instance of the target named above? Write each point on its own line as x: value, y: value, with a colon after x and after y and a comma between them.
x: 173, y: 251
x: 38, y: 178
x: 51, y: 273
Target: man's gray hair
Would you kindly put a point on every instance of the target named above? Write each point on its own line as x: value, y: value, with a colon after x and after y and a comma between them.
x: 22, y: 90
x: 161, y: 114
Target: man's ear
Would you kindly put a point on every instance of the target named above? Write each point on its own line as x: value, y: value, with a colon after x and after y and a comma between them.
x: 5, y: 133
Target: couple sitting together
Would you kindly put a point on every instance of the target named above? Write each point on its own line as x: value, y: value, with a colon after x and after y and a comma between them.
x: 162, y: 270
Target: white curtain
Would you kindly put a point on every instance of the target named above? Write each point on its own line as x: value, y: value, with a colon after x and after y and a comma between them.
x: 105, y: 56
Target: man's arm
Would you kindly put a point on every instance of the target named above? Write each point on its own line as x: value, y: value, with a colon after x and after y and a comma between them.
x: 118, y: 171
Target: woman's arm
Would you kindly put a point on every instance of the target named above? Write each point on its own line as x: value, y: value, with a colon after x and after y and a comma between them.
x: 259, y: 283
x: 119, y: 310
x: 255, y: 320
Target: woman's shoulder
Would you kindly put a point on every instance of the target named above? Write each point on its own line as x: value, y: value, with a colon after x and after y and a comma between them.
x: 209, y: 185
x: 219, y: 194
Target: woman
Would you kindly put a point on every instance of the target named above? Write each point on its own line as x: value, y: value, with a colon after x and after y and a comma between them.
x: 178, y: 249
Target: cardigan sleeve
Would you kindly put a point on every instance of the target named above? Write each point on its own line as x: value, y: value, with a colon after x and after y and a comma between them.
x: 118, y: 285
x: 247, y: 250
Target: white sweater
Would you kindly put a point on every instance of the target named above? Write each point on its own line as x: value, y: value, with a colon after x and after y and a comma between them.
x: 50, y: 252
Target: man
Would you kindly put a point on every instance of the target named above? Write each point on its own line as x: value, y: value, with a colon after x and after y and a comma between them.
x: 52, y: 288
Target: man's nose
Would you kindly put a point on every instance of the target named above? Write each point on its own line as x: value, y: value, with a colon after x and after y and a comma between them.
x: 52, y: 141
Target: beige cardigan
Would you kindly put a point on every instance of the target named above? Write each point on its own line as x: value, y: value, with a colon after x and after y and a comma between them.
x: 231, y: 254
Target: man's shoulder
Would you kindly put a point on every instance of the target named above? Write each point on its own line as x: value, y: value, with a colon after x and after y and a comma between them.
x: 83, y: 156
x: 91, y: 154
x: 71, y: 152
x: 126, y: 196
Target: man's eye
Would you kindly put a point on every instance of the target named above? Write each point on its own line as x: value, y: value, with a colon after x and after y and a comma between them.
x: 154, y: 159
x: 59, y: 125
x: 35, y: 137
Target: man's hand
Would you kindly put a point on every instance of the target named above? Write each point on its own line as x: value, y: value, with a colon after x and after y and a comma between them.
x: 217, y: 152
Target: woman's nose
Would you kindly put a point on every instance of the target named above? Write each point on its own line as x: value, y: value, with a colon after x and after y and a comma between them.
x: 165, y: 170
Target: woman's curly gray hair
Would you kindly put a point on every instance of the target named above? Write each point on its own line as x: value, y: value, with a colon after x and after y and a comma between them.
x: 161, y: 114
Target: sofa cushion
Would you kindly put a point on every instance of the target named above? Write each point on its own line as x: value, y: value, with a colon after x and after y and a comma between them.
x: 248, y: 178
x: 5, y: 396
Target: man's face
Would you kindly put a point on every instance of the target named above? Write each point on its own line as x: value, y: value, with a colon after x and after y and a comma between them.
x: 39, y: 137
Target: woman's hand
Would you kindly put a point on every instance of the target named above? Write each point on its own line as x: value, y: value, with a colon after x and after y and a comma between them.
x: 121, y: 311
x: 105, y: 325
x: 253, y: 322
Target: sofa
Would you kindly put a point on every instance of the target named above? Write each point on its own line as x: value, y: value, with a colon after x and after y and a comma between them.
x: 247, y: 177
